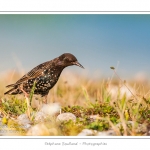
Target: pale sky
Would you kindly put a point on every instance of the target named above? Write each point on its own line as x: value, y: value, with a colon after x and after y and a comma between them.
x: 98, y: 41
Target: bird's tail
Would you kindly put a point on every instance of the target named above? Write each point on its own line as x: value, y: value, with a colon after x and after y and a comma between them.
x: 12, y: 91
x: 11, y: 85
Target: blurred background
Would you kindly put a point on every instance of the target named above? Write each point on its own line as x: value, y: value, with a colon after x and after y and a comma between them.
x: 98, y: 41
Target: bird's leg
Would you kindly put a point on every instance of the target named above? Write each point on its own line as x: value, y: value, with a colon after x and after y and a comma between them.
x: 24, y: 92
x: 27, y: 100
x: 45, y: 99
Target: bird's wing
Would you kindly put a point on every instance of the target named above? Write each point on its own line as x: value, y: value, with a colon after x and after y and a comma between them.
x: 30, y: 75
x: 34, y: 73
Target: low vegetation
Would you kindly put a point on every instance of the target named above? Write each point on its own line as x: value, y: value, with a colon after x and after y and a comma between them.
x: 98, y: 104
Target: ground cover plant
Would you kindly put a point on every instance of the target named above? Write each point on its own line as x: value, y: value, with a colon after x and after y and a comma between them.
x: 99, y: 105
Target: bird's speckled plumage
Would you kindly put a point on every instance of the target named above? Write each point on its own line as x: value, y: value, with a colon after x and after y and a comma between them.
x: 45, y: 75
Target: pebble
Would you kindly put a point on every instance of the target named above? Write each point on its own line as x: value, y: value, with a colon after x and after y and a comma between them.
x: 24, y: 121
x: 50, y: 109
x: 87, y: 132
x: 66, y: 117
x: 46, y: 111
x: 40, y: 117
x: 107, y: 133
x: 6, y: 131
x: 53, y: 131
x: 38, y: 130
x: 94, y: 117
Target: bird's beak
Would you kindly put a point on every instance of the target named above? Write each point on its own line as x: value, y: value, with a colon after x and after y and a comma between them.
x: 78, y: 64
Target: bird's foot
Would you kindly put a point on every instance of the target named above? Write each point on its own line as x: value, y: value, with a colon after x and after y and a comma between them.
x: 45, y: 99
x: 24, y: 92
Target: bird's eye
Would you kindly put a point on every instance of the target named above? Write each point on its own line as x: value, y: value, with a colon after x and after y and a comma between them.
x: 66, y: 59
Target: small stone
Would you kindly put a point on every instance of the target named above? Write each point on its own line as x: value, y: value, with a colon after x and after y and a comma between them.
x: 141, y: 128
x: 23, y: 119
x: 8, y: 131
x: 87, y: 132
x: 3, y: 127
x: 107, y: 133
x: 53, y: 131
x: 94, y: 117
x: 38, y: 130
x: 46, y: 111
x: 148, y: 133
x: 40, y: 117
x: 66, y: 117
x: 50, y: 109
x: 148, y: 130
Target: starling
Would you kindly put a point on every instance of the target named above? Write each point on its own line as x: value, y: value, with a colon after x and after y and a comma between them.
x: 45, y: 76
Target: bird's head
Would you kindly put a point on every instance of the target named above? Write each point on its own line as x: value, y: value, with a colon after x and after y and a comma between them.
x: 68, y: 59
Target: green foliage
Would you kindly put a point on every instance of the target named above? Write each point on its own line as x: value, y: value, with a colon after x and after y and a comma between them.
x: 93, y: 105
x: 98, y: 125
x: 32, y: 92
x: 14, y: 106
x: 71, y: 128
